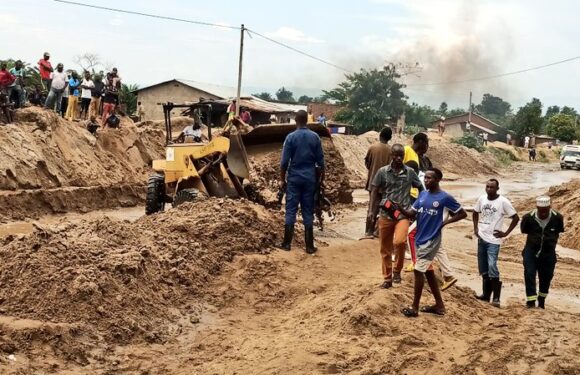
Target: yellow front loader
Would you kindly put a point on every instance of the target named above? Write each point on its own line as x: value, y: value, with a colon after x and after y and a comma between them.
x: 193, y: 171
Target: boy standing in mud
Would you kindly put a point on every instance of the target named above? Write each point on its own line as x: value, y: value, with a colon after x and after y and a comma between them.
x: 428, y: 210
x: 543, y: 227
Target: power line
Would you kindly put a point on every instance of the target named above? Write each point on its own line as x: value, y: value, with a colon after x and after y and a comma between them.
x: 205, y: 24
x: 497, y: 75
x: 147, y: 15
x: 299, y: 51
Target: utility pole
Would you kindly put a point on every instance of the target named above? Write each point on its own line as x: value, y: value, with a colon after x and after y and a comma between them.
x: 242, y: 30
x: 469, y: 109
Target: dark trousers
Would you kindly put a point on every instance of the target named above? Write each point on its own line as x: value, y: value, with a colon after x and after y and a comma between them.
x: 300, y: 192
x: 543, y: 266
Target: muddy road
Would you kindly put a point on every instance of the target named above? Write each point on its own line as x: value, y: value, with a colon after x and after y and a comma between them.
x: 290, y: 313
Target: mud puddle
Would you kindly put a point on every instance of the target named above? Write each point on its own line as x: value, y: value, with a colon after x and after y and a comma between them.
x: 535, y: 183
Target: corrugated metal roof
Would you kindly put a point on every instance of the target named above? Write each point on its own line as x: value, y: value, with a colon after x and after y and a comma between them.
x: 223, y: 92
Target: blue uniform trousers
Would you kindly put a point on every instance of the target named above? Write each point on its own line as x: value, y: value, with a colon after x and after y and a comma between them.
x: 300, y: 191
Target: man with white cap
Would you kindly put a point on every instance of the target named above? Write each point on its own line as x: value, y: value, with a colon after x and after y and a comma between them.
x: 543, y: 227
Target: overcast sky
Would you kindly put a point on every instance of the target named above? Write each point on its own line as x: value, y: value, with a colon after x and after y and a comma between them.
x: 451, y: 40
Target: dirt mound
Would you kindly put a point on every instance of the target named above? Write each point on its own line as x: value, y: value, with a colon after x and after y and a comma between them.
x: 128, y: 281
x: 460, y: 160
x: 41, y: 150
x: 177, y: 123
x: 454, y: 160
x: 265, y: 172
x: 566, y: 200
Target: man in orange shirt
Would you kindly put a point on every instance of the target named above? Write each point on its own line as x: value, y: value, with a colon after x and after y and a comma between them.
x: 45, y: 69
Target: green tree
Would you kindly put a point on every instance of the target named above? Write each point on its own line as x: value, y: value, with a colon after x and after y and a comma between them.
x: 456, y: 112
x: 569, y: 111
x: 551, y: 111
x: 370, y: 98
x: 419, y: 115
x: 264, y: 96
x: 128, y: 98
x: 563, y: 127
x: 305, y: 99
x: 528, y: 119
x: 284, y: 95
x: 443, y: 109
x: 494, y: 108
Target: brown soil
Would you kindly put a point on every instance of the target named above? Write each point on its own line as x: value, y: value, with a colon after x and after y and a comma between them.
x: 457, y: 160
x: 452, y: 159
x: 127, y: 282
x: 43, y: 151
x: 265, y: 172
x: 566, y: 200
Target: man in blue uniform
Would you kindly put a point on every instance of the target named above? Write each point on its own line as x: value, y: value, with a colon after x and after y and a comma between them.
x: 302, y: 171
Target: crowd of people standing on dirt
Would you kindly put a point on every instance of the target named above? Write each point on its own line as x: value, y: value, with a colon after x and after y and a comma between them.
x: 408, y: 210
x: 75, y: 97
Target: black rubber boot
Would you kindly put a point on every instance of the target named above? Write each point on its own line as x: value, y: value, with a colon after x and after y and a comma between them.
x: 309, y: 240
x: 486, y: 287
x: 496, y: 288
x: 288, y: 234
x: 542, y: 302
x: 531, y: 304
x: 369, y: 229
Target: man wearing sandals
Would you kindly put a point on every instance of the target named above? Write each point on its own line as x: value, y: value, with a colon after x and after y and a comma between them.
x: 428, y: 210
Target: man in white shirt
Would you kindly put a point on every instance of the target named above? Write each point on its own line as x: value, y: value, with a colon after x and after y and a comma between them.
x: 527, y: 141
x: 57, y: 88
x: 488, y: 215
x: 86, y: 85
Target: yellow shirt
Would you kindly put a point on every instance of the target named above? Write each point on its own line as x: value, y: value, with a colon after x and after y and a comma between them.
x: 410, y: 154
x: 310, y: 118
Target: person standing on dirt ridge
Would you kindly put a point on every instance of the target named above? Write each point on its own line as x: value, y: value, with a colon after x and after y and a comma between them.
x: 301, y: 170
x: 542, y: 227
x: 417, y: 153
x: 441, y: 126
x: 96, y: 94
x: 18, y: 85
x: 488, y: 215
x: 45, y: 69
x: 428, y: 209
x: 73, y: 97
x: 394, y: 182
x: 58, y: 85
x: 378, y: 156
x: 87, y: 85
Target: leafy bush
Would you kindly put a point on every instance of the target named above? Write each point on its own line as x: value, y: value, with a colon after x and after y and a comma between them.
x: 504, y: 157
x: 470, y: 141
x: 413, y: 129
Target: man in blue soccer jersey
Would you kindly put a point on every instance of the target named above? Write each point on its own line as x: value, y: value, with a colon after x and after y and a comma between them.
x: 428, y: 210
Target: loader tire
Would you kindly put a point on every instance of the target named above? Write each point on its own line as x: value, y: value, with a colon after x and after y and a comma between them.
x: 188, y: 195
x: 155, y: 200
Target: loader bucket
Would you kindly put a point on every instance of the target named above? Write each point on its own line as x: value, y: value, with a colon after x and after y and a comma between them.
x: 276, y: 133
x: 238, y: 158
